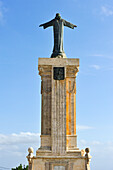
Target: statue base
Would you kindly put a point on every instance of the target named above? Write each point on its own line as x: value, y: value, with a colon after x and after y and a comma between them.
x: 46, y: 160
x: 58, y: 150
x: 58, y: 55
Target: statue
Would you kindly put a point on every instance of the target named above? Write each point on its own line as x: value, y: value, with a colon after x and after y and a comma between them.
x: 58, y: 24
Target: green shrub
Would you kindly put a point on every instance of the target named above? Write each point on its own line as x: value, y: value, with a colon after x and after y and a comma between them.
x: 20, y: 167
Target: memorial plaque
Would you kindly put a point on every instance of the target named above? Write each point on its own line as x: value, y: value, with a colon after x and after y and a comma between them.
x: 58, y: 73
x: 59, y: 167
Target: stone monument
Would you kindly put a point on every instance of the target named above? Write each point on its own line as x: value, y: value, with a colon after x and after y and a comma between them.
x: 58, y: 150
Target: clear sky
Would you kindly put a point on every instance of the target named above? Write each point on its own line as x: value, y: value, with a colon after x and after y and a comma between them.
x: 22, y: 42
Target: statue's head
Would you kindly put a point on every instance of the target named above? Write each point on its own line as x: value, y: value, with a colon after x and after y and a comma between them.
x: 58, y: 16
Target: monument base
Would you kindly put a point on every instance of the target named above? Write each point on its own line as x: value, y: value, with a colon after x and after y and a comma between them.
x: 70, y: 161
x: 47, y: 160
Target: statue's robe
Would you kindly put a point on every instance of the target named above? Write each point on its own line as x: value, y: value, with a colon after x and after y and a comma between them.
x: 58, y: 25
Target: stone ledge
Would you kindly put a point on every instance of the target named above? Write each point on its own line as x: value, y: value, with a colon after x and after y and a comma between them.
x: 73, y: 151
x: 59, y: 157
x: 44, y: 151
x: 58, y: 61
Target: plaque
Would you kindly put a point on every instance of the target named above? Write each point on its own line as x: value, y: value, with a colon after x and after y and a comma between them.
x: 59, y: 167
x: 58, y: 73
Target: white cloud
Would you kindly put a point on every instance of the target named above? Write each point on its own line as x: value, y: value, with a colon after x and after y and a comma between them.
x: 82, y: 142
x: 82, y: 127
x: 14, y: 147
x: 23, y: 137
x: 97, y: 146
x: 101, y: 55
x: 101, y: 153
x: 107, y: 11
x: 96, y: 143
x: 2, y: 12
x: 97, y: 55
x: 111, y: 68
x: 95, y: 66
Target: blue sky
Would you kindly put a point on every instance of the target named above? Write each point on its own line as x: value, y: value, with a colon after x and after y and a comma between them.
x: 22, y: 42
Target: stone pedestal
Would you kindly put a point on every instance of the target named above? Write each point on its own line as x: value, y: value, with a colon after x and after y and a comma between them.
x: 58, y: 148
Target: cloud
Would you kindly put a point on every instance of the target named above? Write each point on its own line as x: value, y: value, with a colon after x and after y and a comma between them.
x: 82, y: 127
x: 101, y: 55
x: 2, y: 12
x: 107, y: 11
x: 95, y: 145
x: 111, y: 68
x: 23, y: 138
x: 95, y: 66
x: 14, y: 147
x: 101, y: 151
x: 97, y: 55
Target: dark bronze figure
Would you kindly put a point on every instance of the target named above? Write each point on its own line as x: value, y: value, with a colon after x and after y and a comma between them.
x: 58, y: 24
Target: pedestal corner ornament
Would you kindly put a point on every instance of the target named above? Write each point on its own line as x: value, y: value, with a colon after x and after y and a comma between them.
x: 58, y: 149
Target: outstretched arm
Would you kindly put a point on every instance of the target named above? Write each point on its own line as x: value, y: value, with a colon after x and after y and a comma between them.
x: 68, y: 24
x: 47, y: 24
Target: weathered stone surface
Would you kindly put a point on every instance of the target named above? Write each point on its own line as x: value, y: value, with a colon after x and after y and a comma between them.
x: 58, y: 62
x: 51, y: 163
x: 38, y: 164
x: 58, y: 105
x: 58, y: 119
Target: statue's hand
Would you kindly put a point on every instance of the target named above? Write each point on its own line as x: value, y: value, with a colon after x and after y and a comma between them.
x: 75, y: 25
x: 41, y: 25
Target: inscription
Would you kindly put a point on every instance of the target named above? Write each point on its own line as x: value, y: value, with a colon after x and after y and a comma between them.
x: 59, y: 167
x: 58, y: 73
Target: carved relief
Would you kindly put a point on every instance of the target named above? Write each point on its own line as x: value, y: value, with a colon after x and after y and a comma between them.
x: 71, y: 71
x: 45, y: 70
x: 71, y: 86
x: 45, y: 88
x: 45, y: 73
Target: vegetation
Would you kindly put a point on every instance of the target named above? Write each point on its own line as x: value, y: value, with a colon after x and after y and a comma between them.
x: 20, y: 167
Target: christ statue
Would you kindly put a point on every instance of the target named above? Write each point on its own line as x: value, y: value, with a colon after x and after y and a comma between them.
x: 58, y: 24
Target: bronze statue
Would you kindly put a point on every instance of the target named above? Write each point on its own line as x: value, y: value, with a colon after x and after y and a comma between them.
x: 58, y: 24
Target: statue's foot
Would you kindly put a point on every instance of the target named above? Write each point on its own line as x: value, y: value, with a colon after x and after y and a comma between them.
x: 61, y: 55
